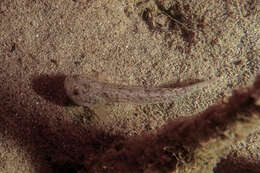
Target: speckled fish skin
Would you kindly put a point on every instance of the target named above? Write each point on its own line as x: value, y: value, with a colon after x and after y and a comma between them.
x: 85, y: 91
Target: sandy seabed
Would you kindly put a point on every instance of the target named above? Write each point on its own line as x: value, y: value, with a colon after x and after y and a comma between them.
x: 132, y: 42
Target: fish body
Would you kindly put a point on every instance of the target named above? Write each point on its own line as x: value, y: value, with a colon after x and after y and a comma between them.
x: 85, y: 91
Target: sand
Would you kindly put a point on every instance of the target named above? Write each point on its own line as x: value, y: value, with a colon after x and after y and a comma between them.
x: 133, y: 42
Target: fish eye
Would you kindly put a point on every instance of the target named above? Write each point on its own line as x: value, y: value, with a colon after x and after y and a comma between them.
x: 76, y: 92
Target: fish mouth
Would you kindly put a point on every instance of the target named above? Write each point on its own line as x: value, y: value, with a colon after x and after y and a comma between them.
x: 70, y: 87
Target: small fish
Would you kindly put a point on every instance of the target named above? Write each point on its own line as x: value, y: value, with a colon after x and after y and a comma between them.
x: 85, y: 91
